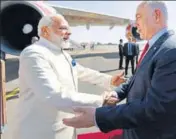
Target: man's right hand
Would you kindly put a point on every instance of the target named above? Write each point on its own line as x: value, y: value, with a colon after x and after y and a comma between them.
x: 110, y: 98
x: 118, y: 79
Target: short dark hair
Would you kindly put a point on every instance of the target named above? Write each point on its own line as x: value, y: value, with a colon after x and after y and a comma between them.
x: 121, y: 40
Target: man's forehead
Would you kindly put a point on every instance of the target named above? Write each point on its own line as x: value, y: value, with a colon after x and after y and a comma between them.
x: 64, y: 23
x: 141, y: 9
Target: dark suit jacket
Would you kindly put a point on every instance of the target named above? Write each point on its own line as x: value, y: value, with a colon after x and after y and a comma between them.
x: 120, y: 49
x: 150, y: 111
x: 125, y: 49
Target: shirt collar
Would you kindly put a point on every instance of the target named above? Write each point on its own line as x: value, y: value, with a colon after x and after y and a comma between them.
x: 157, y: 35
x: 48, y: 44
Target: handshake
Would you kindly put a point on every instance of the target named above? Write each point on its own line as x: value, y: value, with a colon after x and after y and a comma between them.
x: 110, y: 98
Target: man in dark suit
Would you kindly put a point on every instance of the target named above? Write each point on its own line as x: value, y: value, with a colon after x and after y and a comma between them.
x: 129, y: 51
x: 121, y: 54
x: 150, y: 110
x: 137, y: 50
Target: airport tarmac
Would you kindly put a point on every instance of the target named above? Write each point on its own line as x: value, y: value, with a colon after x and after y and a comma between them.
x: 105, y: 61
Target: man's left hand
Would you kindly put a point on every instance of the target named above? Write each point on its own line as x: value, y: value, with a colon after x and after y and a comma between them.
x: 118, y: 79
x: 84, y: 118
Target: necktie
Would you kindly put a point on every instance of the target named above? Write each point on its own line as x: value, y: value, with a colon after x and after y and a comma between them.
x: 143, y: 53
x: 129, y: 49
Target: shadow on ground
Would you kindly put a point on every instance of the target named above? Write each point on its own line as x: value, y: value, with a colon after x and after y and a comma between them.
x: 105, y: 71
x: 111, y: 55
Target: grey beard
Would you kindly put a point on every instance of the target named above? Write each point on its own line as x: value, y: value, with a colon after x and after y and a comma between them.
x: 65, y: 44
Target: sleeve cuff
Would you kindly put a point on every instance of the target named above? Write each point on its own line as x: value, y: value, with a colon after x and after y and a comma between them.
x: 95, y: 121
x: 100, y: 120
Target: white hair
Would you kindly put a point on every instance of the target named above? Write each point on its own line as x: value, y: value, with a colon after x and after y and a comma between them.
x: 159, y: 5
x: 46, y: 21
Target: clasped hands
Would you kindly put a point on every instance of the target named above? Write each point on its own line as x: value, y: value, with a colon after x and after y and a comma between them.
x: 111, y: 98
x: 85, y: 116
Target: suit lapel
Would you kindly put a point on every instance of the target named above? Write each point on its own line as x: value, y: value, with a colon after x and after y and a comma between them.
x: 154, y: 48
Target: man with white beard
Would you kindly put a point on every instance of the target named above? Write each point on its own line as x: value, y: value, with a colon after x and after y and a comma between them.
x: 48, y: 84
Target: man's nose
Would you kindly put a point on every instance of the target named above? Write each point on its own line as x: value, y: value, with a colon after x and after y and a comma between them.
x: 136, y: 24
x: 68, y: 33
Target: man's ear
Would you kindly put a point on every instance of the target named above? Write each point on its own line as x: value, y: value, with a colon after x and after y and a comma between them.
x: 157, y: 15
x: 45, y: 31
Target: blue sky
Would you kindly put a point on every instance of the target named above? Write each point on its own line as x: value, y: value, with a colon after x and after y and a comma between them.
x: 124, y: 9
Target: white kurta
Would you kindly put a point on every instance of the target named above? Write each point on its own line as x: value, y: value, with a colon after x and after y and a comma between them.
x: 48, y: 92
